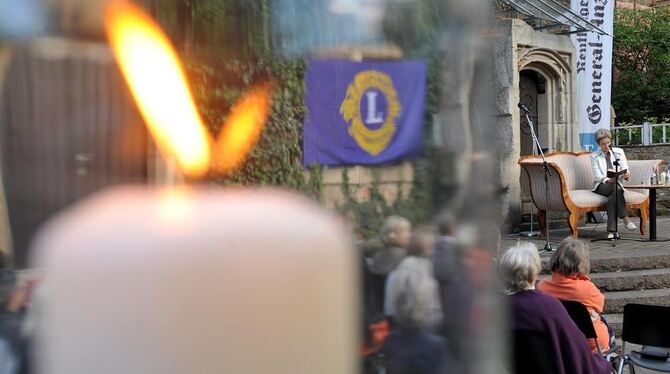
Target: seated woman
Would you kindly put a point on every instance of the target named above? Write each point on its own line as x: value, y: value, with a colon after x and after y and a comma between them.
x: 570, y: 266
x: 537, y: 313
x: 602, y: 161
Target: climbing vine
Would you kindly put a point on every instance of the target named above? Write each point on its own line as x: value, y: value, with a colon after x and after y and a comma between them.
x: 368, y: 214
x: 228, y: 47
x: 277, y: 157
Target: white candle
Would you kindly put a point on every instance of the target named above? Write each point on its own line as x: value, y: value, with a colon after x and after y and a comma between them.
x: 197, y: 281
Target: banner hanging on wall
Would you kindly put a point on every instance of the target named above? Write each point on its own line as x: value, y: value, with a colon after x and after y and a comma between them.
x: 594, y: 69
x: 363, y: 113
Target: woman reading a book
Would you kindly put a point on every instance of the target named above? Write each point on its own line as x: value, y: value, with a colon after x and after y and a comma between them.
x: 605, y: 163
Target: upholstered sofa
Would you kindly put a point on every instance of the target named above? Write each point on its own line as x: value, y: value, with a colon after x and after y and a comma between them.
x: 570, y: 186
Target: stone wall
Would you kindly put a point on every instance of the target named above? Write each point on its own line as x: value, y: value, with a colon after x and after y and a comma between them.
x: 647, y: 152
x: 653, y: 152
x: 393, y: 181
x: 518, y: 48
x: 5, y: 230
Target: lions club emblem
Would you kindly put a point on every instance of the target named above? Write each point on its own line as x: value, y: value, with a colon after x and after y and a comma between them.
x: 371, y: 107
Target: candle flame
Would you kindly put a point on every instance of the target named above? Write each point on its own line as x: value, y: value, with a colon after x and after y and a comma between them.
x: 157, y: 81
x: 242, y: 128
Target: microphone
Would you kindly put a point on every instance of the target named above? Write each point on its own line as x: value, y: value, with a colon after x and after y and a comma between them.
x: 616, y: 158
x: 523, y: 107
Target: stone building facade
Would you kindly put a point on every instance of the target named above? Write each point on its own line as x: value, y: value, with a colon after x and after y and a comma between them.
x: 534, y: 68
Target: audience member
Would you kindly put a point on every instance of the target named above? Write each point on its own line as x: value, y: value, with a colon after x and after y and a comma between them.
x: 536, y: 312
x: 570, y: 266
x: 455, y: 290
x: 418, y: 261
x: 411, y: 348
x: 395, y: 234
x: 446, y: 257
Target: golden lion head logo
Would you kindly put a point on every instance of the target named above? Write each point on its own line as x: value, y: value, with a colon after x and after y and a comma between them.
x: 371, y: 141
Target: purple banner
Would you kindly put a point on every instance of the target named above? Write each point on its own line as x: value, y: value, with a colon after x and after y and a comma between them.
x: 363, y: 113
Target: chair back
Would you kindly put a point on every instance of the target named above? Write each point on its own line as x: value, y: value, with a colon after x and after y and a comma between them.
x: 533, y: 353
x: 581, y: 316
x: 576, y: 168
x: 640, y: 170
x: 646, y: 325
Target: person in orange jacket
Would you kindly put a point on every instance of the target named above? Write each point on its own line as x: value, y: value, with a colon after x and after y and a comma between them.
x: 570, y: 266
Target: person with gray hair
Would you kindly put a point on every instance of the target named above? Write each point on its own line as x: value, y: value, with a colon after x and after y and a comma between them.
x: 411, y: 347
x: 570, y: 266
x: 603, y: 161
x: 542, y: 315
x: 520, y: 266
x: 410, y: 269
x: 395, y: 235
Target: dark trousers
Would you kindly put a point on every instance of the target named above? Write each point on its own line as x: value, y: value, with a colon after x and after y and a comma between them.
x: 616, y: 206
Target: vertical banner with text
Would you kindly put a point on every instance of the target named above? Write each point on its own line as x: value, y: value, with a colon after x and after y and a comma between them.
x: 594, y: 69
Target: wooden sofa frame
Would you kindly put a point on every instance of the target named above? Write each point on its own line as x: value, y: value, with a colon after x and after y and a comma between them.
x: 575, y: 211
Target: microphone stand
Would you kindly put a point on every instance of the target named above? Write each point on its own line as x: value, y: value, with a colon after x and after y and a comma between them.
x: 531, y: 233
x: 547, y: 174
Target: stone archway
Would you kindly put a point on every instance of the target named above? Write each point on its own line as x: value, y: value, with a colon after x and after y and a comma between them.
x: 545, y: 86
x: 555, y: 107
x: 549, y: 57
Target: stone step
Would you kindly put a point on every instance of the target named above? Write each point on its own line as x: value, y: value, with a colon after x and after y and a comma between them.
x: 647, y: 279
x: 617, y: 262
x: 615, y: 321
x: 554, y: 224
x: 632, y: 261
x: 615, y: 301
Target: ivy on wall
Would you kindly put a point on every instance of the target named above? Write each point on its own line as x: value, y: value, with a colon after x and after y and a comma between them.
x: 228, y: 47
x: 277, y: 157
x: 369, y: 215
x: 420, y: 205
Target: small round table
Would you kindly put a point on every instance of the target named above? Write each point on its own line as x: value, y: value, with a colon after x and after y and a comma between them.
x: 652, y: 206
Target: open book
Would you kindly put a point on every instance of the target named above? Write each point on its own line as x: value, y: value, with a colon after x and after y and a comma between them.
x: 611, y: 173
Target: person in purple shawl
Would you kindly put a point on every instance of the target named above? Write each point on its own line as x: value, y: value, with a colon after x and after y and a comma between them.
x: 538, y: 314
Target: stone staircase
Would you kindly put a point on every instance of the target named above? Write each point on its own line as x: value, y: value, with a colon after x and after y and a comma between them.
x: 642, y: 286
x: 632, y: 272
x: 641, y: 275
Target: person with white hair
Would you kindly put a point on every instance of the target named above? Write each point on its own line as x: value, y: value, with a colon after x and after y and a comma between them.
x: 395, y: 235
x: 417, y: 262
x: 543, y: 315
x: 602, y: 162
x: 411, y: 347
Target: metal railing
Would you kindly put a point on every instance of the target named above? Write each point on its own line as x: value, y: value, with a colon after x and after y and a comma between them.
x: 645, y: 134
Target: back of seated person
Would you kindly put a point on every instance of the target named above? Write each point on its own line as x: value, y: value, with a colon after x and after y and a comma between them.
x: 535, y: 312
x: 570, y: 266
x: 411, y: 348
x: 420, y: 251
